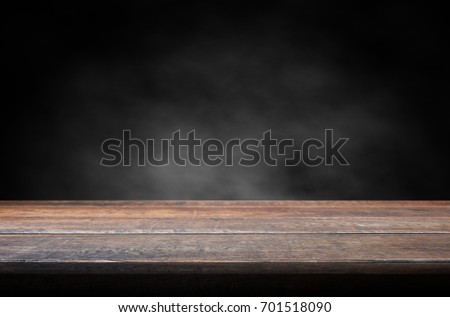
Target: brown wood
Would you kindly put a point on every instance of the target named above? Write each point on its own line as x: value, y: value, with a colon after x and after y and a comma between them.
x: 225, y: 236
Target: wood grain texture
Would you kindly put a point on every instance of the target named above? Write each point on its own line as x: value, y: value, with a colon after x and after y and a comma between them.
x: 225, y: 236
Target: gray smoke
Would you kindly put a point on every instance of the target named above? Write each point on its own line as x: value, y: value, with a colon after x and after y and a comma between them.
x: 227, y: 88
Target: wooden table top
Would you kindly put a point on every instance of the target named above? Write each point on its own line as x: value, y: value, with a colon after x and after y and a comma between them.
x: 225, y: 237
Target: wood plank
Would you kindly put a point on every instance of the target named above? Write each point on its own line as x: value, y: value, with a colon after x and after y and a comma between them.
x: 225, y: 236
x: 225, y: 225
x: 224, y: 217
x: 229, y: 203
x: 281, y: 253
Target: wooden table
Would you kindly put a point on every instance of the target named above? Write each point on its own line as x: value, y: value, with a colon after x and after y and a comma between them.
x: 225, y: 237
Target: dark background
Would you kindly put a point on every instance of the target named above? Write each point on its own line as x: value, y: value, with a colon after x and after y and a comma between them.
x: 78, y: 73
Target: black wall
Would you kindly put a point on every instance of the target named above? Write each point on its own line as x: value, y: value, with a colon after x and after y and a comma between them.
x: 79, y: 73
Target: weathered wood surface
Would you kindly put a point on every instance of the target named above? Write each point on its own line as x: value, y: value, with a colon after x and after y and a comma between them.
x: 225, y: 236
